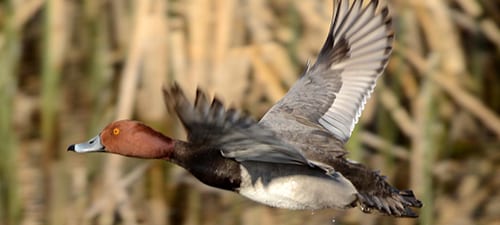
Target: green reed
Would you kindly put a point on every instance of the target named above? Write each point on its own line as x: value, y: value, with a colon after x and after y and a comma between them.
x: 9, y: 61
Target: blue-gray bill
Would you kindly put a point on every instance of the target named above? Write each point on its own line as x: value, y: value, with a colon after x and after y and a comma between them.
x: 92, y: 145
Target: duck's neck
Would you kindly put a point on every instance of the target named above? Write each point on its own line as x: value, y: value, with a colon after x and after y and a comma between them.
x: 148, y: 143
x: 160, y: 147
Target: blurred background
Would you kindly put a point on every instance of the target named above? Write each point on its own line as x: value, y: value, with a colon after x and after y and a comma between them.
x: 67, y: 68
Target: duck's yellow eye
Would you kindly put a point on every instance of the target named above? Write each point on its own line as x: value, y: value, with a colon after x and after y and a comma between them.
x: 116, y: 131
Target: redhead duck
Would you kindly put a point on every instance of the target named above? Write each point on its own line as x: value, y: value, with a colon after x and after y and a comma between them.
x: 294, y: 157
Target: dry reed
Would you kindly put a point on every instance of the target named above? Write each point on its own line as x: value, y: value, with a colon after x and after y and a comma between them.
x: 68, y: 67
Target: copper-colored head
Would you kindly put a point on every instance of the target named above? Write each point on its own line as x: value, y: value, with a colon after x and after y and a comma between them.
x: 128, y: 138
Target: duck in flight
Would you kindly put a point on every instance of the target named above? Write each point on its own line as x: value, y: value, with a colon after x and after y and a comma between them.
x: 294, y: 157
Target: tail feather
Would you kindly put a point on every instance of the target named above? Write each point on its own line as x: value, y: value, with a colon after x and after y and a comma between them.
x: 375, y: 193
x: 398, y: 203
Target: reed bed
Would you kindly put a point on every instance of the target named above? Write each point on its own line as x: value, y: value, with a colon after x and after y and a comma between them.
x: 67, y: 68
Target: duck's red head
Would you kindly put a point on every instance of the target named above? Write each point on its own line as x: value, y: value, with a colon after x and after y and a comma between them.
x: 128, y: 138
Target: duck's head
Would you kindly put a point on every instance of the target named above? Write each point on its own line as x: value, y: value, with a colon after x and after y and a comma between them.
x: 128, y: 138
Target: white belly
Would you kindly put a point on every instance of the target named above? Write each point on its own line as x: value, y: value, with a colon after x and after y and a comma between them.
x: 294, y: 187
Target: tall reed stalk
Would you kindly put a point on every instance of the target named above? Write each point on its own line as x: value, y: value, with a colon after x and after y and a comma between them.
x: 51, y: 61
x: 427, y: 145
x: 50, y: 80
x: 9, y: 59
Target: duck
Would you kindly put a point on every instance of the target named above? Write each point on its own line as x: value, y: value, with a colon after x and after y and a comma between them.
x: 294, y: 157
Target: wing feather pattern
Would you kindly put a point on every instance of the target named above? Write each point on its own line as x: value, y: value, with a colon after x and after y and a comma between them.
x: 334, y: 90
x: 238, y: 136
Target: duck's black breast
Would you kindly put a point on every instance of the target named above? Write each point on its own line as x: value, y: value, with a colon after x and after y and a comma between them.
x: 210, y: 167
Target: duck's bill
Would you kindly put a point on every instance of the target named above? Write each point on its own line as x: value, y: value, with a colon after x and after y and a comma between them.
x: 92, y: 145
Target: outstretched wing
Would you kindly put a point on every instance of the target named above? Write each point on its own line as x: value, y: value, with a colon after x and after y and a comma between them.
x: 236, y: 135
x: 334, y: 90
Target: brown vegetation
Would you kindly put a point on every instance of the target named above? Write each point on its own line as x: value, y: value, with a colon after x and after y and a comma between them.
x: 67, y: 68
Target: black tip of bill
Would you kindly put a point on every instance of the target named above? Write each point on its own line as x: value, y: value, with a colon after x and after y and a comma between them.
x: 71, y: 148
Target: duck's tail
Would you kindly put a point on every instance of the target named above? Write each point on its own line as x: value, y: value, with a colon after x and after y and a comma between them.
x: 376, y: 194
x: 397, y: 203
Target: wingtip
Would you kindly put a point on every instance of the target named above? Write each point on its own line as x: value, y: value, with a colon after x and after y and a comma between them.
x: 167, y: 97
x: 385, y: 12
x: 201, y: 100
x: 171, y: 94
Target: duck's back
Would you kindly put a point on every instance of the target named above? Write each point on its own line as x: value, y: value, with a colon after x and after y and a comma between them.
x: 313, y: 140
